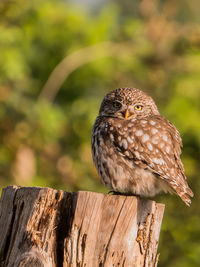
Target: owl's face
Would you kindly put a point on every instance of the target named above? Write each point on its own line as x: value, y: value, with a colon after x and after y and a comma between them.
x: 128, y: 103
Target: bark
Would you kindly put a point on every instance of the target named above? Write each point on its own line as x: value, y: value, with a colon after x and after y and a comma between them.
x: 46, y: 227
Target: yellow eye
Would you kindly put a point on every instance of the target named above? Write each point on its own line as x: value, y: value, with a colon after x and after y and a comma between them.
x: 138, y: 107
x: 117, y: 104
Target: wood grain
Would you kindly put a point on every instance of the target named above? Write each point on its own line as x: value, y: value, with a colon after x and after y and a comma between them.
x: 46, y: 227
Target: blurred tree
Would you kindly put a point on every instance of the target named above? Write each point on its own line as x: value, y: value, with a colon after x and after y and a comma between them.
x: 45, y: 136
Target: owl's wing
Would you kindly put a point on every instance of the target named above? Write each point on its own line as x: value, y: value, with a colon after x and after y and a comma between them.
x: 155, y: 145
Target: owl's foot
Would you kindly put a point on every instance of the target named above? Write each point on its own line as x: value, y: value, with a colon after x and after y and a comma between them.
x: 115, y: 192
x: 122, y: 194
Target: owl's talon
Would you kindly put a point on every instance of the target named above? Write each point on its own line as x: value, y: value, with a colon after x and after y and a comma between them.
x: 122, y: 194
x: 114, y: 192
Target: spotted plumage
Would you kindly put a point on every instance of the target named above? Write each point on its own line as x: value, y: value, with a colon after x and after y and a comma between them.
x: 135, y: 149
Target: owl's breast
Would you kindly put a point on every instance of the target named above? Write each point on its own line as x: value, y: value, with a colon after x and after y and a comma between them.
x: 117, y: 167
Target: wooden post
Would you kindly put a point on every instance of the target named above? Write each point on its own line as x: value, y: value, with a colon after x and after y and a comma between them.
x: 46, y: 227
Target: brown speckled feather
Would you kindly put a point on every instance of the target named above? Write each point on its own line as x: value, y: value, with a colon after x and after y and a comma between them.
x: 141, y: 154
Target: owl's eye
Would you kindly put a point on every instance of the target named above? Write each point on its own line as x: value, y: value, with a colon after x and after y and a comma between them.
x: 138, y: 107
x: 117, y: 104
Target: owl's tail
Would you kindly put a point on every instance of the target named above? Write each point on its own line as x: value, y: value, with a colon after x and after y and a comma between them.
x: 184, y: 193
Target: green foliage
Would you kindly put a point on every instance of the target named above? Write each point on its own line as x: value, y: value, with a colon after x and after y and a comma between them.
x: 46, y: 141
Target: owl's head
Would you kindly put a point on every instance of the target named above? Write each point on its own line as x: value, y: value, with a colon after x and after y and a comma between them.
x: 128, y: 103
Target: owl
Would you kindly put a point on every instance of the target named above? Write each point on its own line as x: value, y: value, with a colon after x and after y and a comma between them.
x: 136, y: 151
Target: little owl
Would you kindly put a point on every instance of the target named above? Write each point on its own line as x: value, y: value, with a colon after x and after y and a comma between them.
x: 136, y: 150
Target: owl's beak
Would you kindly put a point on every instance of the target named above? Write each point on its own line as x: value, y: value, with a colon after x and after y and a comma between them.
x: 127, y: 114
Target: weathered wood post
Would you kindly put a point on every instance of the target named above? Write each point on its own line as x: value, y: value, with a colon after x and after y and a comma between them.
x: 46, y: 227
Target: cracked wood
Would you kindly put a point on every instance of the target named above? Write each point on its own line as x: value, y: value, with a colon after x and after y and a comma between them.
x: 46, y: 227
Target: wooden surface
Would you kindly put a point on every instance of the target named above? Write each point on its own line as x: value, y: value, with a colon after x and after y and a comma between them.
x: 46, y: 227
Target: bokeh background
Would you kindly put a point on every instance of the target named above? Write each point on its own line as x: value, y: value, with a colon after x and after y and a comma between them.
x: 57, y: 60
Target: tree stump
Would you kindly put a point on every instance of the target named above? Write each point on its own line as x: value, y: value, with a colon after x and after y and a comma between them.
x: 46, y: 227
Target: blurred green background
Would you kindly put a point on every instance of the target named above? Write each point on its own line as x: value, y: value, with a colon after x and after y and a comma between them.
x: 58, y: 59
